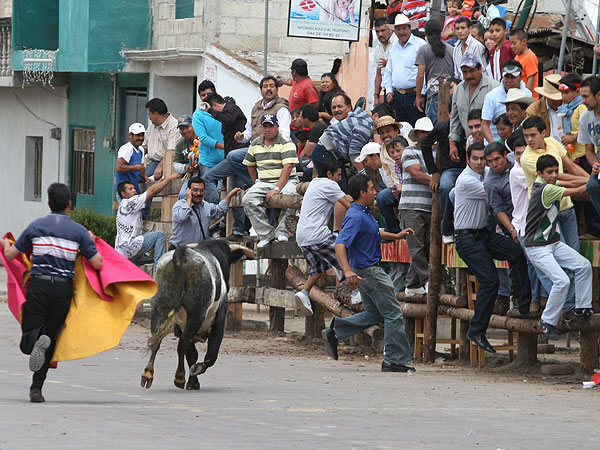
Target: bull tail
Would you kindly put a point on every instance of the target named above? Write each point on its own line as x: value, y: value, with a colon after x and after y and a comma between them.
x: 165, y: 328
x: 179, y: 258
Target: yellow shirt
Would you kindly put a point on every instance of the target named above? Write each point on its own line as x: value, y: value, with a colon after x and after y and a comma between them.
x: 579, y: 148
x: 529, y: 161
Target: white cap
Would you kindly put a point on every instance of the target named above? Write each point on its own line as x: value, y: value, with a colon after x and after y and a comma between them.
x: 371, y: 148
x: 137, y: 128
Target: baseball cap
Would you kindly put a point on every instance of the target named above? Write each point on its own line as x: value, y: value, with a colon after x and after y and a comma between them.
x: 184, y: 120
x: 298, y: 63
x: 370, y: 148
x: 269, y: 118
x: 137, y: 128
x: 470, y: 60
x: 513, y: 70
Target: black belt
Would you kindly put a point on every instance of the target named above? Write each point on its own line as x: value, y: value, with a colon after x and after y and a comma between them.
x: 468, y: 231
x: 53, y: 278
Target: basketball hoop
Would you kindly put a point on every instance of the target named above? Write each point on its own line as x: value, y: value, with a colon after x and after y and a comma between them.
x: 38, y: 66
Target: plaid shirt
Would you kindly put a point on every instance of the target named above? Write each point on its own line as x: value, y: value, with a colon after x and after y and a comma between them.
x: 398, y: 170
x: 162, y: 138
x: 351, y: 134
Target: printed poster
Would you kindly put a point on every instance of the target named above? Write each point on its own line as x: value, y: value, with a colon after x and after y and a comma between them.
x: 325, y: 19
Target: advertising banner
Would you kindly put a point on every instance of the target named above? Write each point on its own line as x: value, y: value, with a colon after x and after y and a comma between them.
x: 325, y: 19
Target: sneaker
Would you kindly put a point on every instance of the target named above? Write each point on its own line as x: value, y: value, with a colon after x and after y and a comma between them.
x: 35, y: 396
x: 37, y: 358
x: 264, y: 242
x: 409, y: 292
x: 389, y: 367
x: 426, y: 287
x: 331, y: 341
x: 582, y: 314
x: 502, y: 305
x: 252, y: 232
x: 548, y: 330
x: 448, y: 239
x: 303, y: 302
x: 355, y: 298
x: 518, y: 314
x: 282, y: 238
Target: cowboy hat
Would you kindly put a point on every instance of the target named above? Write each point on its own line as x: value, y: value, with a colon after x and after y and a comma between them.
x: 517, y: 96
x: 384, y: 121
x: 549, y: 88
x: 401, y: 19
x: 423, y: 124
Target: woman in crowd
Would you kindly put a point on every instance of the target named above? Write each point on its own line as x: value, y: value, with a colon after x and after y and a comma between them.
x: 329, y: 87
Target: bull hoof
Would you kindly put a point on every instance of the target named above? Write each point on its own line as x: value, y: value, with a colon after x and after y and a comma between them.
x: 193, y: 384
x: 147, y: 380
x: 198, y: 369
x: 179, y: 381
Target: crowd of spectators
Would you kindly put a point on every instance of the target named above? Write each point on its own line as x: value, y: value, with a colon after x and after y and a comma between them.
x: 509, y: 157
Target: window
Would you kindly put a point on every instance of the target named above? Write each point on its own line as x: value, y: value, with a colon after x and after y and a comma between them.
x: 184, y: 9
x: 33, y: 168
x: 82, y: 167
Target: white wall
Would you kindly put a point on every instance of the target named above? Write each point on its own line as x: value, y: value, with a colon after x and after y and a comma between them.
x: 177, y: 92
x: 15, y: 124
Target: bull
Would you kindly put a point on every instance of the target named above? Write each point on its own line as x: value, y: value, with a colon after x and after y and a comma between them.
x: 192, y: 300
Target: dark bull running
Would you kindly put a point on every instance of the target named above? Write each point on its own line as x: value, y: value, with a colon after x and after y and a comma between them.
x: 192, y: 296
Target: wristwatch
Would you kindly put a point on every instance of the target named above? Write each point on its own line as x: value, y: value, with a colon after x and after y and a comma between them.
x: 276, y: 188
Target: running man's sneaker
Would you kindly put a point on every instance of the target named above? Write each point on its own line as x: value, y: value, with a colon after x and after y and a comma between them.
x: 37, y: 358
x: 355, y: 298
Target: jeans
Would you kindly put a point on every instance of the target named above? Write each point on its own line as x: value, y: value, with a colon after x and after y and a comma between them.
x: 504, y: 280
x: 155, y: 240
x: 321, y: 154
x: 431, y: 109
x: 593, y: 190
x: 151, y: 167
x: 552, y: 259
x: 569, y: 234
x: 447, y: 182
x: 418, y: 246
x: 254, y: 209
x: 479, y: 252
x: 379, y: 301
x: 387, y: 201
x: 231, y: 167
x: 406, y: 111
x: 44, y: 312
x: 540, y: 284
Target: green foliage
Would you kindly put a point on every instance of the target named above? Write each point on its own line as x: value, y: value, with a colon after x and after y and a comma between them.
x: 105, y: 227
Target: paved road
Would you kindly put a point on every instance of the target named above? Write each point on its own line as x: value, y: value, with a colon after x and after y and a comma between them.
x: 279, y: 401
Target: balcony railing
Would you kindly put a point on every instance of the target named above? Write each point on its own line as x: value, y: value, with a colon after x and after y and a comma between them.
x: 5, y: 68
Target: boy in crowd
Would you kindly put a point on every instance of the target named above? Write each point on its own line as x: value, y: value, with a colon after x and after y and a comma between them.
x: 131, y: 242
x: 503, y: 50
x: 518, y: 43
x: 415, y: 208
x: 316, y: 241
x: 358, y: 251
x: 570, y: 111
x: 548, y: 254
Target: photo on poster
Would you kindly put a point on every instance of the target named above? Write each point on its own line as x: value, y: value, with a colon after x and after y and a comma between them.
x: 325, y: 19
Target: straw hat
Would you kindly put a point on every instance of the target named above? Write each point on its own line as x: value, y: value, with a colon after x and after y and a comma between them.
x: 384, y: 121
x: 549, y: 88
x: 401, y: 19
x: 517, y: 96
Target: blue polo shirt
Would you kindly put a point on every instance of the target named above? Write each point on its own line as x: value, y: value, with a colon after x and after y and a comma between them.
x: 55, y: 240
x: 360, y: 236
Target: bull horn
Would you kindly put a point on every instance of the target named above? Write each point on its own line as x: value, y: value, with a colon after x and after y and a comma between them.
x: 248, y: 253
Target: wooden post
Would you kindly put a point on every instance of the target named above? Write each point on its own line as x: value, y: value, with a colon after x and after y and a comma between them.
x: 589, y: 351
x: 234, y: 310
x: 277, y: 314
x: 526, y: 350
x: 435, y: 248
x: 313, y: 325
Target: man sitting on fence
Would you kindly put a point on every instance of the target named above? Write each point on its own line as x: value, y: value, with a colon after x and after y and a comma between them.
x: 130, y: 242
x: 478, y: 246
x: 548, y: 254
x: 358, y: 250
x: 313, y: 236
x: 192, y: 215
x: 271, y: 161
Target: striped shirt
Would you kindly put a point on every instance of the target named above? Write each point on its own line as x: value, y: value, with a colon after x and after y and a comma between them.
x: 415, y: 195
x: 159, y: 139
x: 270, y: 159
x: 55, y: 241
x: 350, y: 135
